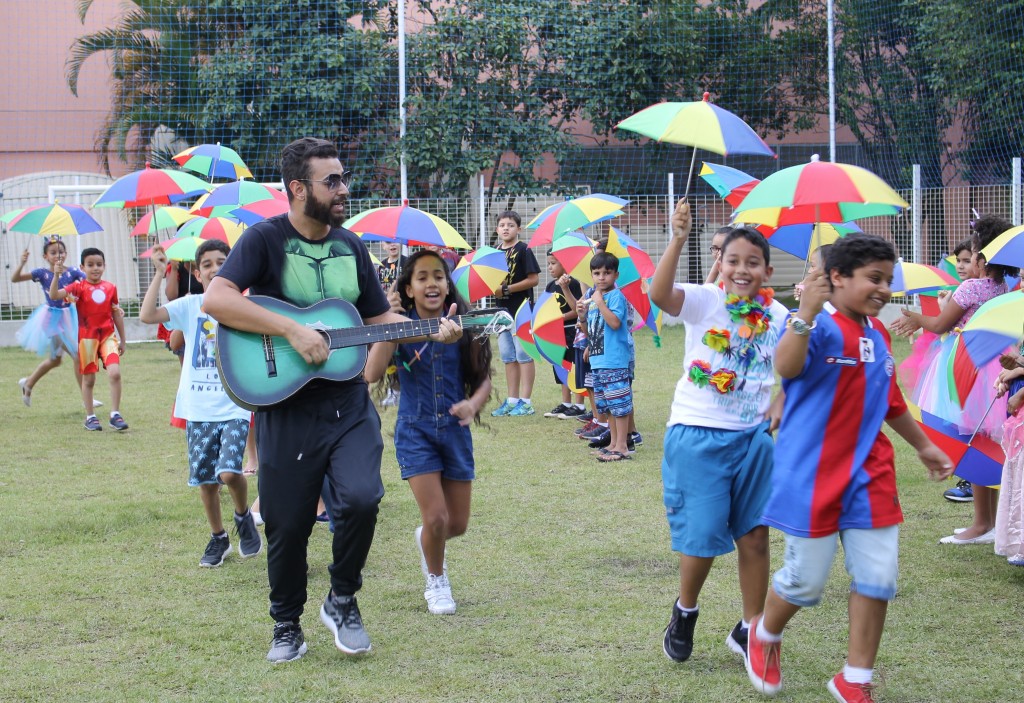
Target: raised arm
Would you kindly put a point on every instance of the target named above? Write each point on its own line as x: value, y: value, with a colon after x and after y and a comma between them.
x: 664, y: 294
x: 791, y: 354
x: 152, y: 312
x: 913, y: 321
x: 18, y: 276
x: 56, y: 292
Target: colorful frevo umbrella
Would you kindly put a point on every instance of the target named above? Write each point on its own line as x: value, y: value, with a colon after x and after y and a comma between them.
x: 227, y: 197
x: 183, y: 248
x: 548, y: 329
x: 168, y: 217
x: 149, y: 187
x: 731, y: 184
x: 909, y: 278
x: 555, y: 220
x: 977, y: 457
x: 1007, y: 249
x: 574, y: 251
x: 213, y: 161
x: 480, y: 273
x: 260, y: 210
x: 53, y: 219
x: 226, y: 229
x: 699, y: 124
x: 994, y: 327
x: 407, y: 224
x: 804, y: 239
x: 635, y: 270
x: 523, y: 321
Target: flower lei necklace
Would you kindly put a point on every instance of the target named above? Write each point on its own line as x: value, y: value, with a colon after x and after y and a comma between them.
x: 754, y: 319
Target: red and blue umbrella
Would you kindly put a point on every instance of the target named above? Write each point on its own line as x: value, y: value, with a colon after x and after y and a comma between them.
x: 802, y: 240
x: 523, y: 322
x: 731, y: 184
x: 252, y: 213
x: 978, y: 458
x: 151, y: 186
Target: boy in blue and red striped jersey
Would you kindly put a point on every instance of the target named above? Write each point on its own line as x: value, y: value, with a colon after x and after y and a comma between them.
x: 835, y: 474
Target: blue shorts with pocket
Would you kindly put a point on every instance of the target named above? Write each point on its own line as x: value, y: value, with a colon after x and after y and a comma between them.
x: 511, y: 349
x: 426, y: 446
x: 716, y: 483
x: 215, y: 448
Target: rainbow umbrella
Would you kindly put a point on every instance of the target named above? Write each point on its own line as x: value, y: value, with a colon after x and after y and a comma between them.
x: 802, y: 240
x: 54, y: 219
x: 622, y: 246
x: 731, y: 184
x: 169, y: 217
x: 909, y: 278
x: 213, y: 161
x: 1007, y: 249
x: 407, y: 224
x: 183, y: 248
x: 548, y: 329
x: 163, y: 245
x: 480, y: 273
x: 699, y: 124
x: 226, y: 229
x: 995, y: 326
x: 978, y: 458
x: 151, y: 186
x: 227, y: 197
x: 819, y: 191
x: 571, y: 215
x: 574, y: 251
x: 523, y: 320
x: 260, y: 210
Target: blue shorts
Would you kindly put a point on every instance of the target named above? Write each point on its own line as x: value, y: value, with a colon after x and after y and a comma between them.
x: 426, y: 447
x: 716, y: 483
x: 511, y: 349
x: 871, y: 557
x: 612, y: 392
x: 215, y: 448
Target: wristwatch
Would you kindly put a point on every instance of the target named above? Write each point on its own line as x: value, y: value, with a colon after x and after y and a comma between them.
x: 798, y: 327
x: 504, y: 290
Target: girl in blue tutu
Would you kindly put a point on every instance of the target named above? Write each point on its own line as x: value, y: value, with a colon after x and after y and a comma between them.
x: 52, y: 329
x: 936, y: 390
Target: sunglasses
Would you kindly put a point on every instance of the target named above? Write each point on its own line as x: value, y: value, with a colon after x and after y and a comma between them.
x: 333, y: 181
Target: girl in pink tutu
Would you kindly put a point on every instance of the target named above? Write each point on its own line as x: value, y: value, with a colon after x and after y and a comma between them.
x: 52, y: 329
x: 935, y: 391
x: 1010, y: 513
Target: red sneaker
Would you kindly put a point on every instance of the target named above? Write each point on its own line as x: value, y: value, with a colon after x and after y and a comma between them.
x: 763, y: 662
x: 846, y: 692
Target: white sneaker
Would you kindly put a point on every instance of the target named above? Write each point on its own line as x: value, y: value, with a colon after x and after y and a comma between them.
x: 423, y: 557
x: 439, y: 595
x: 256, y: 517
x: 26, y: 392
x: 97, y: 403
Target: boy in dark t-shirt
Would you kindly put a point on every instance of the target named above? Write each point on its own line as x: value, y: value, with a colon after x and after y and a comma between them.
x: 518, y: 286
x: 567, y: 291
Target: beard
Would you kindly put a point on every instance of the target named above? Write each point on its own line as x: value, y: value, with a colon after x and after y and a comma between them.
x: 320, y: 211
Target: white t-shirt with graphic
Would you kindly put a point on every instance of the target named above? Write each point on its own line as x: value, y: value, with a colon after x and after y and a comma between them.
x: 734, y: 373
x: 201, y: 396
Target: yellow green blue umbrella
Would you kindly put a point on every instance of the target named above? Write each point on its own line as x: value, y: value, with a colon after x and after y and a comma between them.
x: 169, y: 217
x: 213, y: 161
x: 555, y: 220
x: 405, y: 223
x: 53, y: 219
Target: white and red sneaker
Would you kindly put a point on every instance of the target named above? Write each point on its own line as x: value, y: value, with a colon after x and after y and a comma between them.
x: 763, y: 662
x: 846, y: 692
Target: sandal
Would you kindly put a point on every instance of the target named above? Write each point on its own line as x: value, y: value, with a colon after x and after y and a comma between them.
x: 614, y: 456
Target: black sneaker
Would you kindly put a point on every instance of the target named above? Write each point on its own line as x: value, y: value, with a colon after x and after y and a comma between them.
x: 602, y: 440
x: 118, y: 423
x: 92, y: 423
x: 216, y: 550
x: 637, y: 438
x: 557, y: 411
x: 249, y: 542
x: 963, y: 493
x: 594, y: 433
x: 341, y: 616
x: 737, y: 639
x: 586, y: 417
x: 679, y: 634
x: 288, y: 643
x: 572, y: 412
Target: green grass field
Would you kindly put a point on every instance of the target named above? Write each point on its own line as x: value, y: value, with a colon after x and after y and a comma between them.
x: 564, y: 580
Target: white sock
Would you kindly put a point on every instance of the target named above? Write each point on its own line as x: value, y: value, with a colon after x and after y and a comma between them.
x: 114, y: 413
x: 602, y: 424
x: 578, y: 405
x: 744, y: 624
x: 764, y: 635
x: 90, y: 417
x: 525, y: 400
x: 686, y: 610
x: 511, y: 401
x: 854, y: 674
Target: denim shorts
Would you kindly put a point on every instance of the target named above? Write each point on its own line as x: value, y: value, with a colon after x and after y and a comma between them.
x: 425, y: 446
x: 612, y: 393
x: 511, y: 349
x: 871, y: 557
x: 215, y: 448
x: 716, y: 483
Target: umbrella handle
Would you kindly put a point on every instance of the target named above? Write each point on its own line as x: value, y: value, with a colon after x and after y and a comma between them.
x: 982, y: 420
x: 689, y: 177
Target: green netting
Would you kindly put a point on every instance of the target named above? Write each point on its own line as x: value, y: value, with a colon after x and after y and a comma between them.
x: 525, y: 92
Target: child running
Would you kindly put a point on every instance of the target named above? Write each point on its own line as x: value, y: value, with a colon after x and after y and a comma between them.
x: 52, y: 328
x: 216, y: 429
x: 935, y: 394
x: 718, y: 445
x: 835, y: 473
x: 98, y: 318
x: 444, y: 386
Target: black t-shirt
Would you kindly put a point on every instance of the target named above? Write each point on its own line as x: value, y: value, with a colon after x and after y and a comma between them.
x: 563, y: 304
x: 521, y: 263
x: 388, y: 272
x: 273, y: 259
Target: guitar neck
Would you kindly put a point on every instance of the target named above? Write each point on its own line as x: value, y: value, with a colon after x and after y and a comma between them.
x: 387, y: 332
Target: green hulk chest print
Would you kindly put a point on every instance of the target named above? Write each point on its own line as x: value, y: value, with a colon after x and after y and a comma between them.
x: 313, y: 271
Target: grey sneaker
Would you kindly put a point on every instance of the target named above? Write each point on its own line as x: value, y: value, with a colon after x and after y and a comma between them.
x: 341, y: 615
x: 118, y: 423
x: 249, y: 542
x: 216, y: 550
x: 288, y: 643
x: 92, y: 423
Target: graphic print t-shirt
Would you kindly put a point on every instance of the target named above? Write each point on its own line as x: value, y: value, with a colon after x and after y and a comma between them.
x: 201, y: 396
x: 95, y: 304
x: 44, y: 276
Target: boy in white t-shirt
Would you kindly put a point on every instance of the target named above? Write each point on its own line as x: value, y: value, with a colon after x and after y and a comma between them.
x: 717, y: 463
x: 216, y: 428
